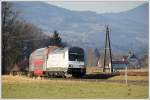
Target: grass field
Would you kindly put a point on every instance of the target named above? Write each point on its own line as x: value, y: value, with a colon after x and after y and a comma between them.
x: 133, y: 78
x: 22, y: 87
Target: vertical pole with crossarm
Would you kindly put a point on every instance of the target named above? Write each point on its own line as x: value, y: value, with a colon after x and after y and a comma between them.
x: 105, y: 52
x: 107, y: 41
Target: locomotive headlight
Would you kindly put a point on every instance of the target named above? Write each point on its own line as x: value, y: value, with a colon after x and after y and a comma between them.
x: 81, y: 66
x: 70, y: 65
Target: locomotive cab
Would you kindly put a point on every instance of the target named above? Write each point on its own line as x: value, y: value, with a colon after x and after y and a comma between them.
x: 76, y: 61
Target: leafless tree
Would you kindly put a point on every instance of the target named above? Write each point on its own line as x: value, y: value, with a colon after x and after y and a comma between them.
x: 16, y: 35
x: 92, y: 59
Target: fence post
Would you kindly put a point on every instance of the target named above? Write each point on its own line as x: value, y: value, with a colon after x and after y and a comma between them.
x: 126, y: 75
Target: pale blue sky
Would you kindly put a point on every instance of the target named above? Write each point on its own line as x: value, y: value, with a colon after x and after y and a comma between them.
x: 98, y: 6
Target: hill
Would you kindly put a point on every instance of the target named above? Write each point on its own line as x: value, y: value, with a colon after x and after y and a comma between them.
x: 129, y: 29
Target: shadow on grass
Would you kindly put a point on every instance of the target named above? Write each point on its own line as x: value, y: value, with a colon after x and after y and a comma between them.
x: 100, y: 76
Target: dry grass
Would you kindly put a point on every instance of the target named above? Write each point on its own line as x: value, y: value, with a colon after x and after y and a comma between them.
x: 23, y: 79
x: 135, y: 70
x: 23, y: 87
x: 94, y: 70
x: 133, y: 78
x: 131, y: 72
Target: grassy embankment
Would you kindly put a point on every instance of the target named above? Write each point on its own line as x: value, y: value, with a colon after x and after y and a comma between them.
x: 22, y: 87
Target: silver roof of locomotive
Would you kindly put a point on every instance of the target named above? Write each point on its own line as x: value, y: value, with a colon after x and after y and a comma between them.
x: 60, y: 50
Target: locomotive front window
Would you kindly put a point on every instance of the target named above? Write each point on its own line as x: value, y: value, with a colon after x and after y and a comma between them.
x: 76, y: 57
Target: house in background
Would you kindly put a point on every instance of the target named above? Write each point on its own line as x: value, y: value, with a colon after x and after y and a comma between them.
x: 130, y: 61
x: 133, y: 60
x: 119, y: 64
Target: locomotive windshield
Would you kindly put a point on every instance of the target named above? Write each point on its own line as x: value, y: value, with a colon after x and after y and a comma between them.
x: 76, y: 54
x: 76, y: 57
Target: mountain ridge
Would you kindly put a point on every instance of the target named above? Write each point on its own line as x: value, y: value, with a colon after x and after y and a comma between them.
x: 84, y: 28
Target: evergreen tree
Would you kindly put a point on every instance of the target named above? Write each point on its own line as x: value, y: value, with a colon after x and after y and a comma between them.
x: 56, y: 39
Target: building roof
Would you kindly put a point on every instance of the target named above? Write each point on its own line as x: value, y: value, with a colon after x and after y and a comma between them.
x: 133, y: 56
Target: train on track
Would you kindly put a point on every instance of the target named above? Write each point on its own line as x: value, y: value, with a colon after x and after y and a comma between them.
x: 57, y: 61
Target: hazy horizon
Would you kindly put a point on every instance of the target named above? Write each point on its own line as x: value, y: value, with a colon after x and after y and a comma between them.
x: 98, y: 6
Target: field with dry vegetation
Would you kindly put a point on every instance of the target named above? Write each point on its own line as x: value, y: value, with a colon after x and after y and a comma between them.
x: 22, y: 87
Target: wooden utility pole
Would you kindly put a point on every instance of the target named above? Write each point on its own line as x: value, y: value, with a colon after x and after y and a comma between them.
x: 107, y: 43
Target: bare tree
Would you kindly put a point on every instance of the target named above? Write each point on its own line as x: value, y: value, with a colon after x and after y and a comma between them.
x: 91, y: 58
x: 16, y: 36
x: 8, y: 19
